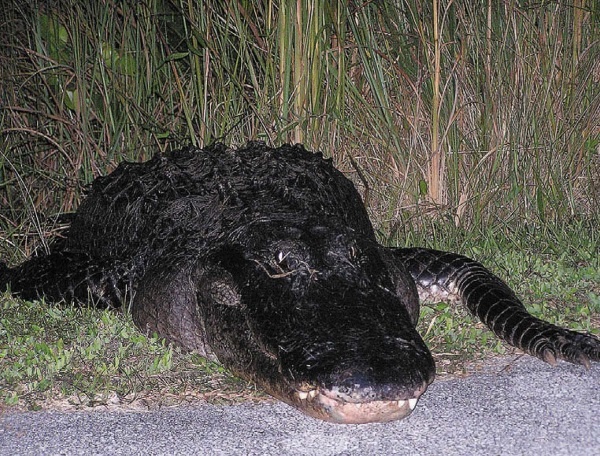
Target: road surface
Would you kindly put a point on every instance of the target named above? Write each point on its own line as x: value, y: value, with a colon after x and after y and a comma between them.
x: 529, y: 408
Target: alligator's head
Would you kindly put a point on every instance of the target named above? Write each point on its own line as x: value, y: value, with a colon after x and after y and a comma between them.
x: 319, y: 319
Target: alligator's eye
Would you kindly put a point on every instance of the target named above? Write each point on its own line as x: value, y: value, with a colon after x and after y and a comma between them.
x: 342, y: 255
x: 287, y: 259
x: 284, y: 257
x: 281, y: 256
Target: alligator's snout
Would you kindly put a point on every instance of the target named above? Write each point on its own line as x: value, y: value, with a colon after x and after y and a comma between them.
x: 366, y: 388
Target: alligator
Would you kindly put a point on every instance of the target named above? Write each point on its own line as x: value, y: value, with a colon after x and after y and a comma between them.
x: 265, y: 260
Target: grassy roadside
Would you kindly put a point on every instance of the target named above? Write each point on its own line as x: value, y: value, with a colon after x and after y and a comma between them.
x: 63, y: 357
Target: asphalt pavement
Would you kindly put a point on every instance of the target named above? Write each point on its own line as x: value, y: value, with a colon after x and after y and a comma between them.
x: 517, y: 407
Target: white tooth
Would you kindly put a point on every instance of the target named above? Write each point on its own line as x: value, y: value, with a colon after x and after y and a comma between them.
x: 401, y: 403
x: 302, y: 395
x: 412, y: 403
x: 312, y: 393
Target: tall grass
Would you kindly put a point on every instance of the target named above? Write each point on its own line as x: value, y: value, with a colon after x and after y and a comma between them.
x: 478, y: 114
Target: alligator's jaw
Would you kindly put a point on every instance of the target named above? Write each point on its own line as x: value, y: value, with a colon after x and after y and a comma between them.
x: 324, y: 404
x: 336, y: 411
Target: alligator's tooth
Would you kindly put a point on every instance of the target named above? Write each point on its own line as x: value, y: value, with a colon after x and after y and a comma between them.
x: 401, y: 403
x: 412, y: 403
x: 303, y: 395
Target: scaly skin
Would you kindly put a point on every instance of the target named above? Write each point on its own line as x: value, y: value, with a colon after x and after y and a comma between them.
x: 266, y: 261
x: 448, y: 276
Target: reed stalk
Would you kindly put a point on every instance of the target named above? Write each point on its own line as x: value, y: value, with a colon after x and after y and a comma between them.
x: 481, y: 114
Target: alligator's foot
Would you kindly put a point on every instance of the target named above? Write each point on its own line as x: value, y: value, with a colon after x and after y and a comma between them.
x: 571, y: 346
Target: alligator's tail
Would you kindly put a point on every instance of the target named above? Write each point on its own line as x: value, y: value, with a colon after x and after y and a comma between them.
x: 448, y: 276
x: 62, y: 276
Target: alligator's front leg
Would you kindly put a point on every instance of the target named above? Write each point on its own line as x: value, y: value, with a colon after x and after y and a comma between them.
x: 448, y: 276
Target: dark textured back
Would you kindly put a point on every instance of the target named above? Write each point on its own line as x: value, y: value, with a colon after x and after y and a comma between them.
x: 181, y: 206
x: 189, y: 200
